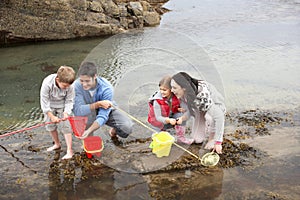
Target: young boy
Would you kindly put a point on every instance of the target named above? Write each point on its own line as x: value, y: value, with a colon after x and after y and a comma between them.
x: 56, y: 98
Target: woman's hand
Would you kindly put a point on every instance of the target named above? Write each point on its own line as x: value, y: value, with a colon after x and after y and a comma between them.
x: 218, y: 148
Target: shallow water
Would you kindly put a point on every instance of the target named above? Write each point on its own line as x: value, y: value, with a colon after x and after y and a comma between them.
x: 248, y: 49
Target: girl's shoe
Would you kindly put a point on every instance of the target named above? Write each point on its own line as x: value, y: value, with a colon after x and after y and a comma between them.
x: 180, y: 131
x: 185, y: 140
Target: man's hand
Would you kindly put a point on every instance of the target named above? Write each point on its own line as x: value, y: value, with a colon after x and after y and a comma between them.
x: 90, y: 130
x: 105, y: 104
x: 85, y: 135
x: 101, y: 104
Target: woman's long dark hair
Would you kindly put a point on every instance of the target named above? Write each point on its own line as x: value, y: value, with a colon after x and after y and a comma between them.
x: 191, y: 88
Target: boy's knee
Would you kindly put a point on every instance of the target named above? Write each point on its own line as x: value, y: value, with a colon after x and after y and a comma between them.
x: 51, y: 127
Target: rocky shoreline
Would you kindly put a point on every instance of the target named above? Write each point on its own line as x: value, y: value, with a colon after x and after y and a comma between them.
x: 44, y: 20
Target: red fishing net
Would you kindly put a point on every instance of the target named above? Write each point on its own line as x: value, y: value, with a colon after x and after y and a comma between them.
x: 78, y: 124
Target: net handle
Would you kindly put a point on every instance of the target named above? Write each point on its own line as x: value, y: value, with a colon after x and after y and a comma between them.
x: 29, y: 128
x: 184, y: 149
x: 35, y: 126
x: 177, y: 145
x: 135, y: 119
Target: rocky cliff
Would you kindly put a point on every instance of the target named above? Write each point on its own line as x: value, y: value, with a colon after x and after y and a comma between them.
x: 41, y: 20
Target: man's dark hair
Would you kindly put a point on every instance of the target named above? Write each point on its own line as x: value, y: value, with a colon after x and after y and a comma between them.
x: 88, y: 69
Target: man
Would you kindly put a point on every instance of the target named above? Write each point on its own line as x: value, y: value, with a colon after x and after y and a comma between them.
x: 94, y: 99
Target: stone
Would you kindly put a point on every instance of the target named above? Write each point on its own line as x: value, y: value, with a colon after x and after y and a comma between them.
x: 136, y: 8
x: 78, y: 4
x: 91, y: 30
x: 96, y: 6
x: 42, y: 20
x: 146, y: 6
x: 151, y: 18
x: 110, y: 7
x: 123, y: 10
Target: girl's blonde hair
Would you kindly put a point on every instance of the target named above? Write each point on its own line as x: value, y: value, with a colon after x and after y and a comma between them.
x: 165, y: 81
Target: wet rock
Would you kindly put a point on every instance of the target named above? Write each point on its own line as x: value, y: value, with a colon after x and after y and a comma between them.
x: 151, y: 18
x: 185, y: 170
x: 29, y: 21
x: 255, y: 122
x: 135, y: 8
x: 45, y: 67
x: 13, y: 68
x: 95, y: 6
x: 34, y: 149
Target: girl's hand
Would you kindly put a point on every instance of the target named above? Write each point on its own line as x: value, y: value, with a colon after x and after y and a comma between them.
x: 172, y: 121
x: 179, y: 120
x: 181, y: 110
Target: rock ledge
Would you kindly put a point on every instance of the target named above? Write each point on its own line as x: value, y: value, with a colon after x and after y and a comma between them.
x: 42, y: 20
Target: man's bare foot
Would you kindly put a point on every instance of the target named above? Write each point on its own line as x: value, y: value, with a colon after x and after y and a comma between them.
x: 112, y: 133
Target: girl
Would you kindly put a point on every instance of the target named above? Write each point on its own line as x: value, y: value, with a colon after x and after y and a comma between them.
x: 164, y: 111
x: 205, y: 104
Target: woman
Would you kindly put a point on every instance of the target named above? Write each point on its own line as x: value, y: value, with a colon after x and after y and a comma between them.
x: 164, y: 109
x: 203, y: 102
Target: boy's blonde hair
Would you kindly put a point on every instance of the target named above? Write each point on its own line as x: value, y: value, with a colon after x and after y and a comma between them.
x: 66, y: 74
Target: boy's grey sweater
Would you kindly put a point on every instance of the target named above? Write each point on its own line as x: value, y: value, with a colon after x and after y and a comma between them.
x: 52, y: 97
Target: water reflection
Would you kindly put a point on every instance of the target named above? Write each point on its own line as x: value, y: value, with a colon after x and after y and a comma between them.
x: 61, y: 179
x: 81, y: 182
x: 200, y: 185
